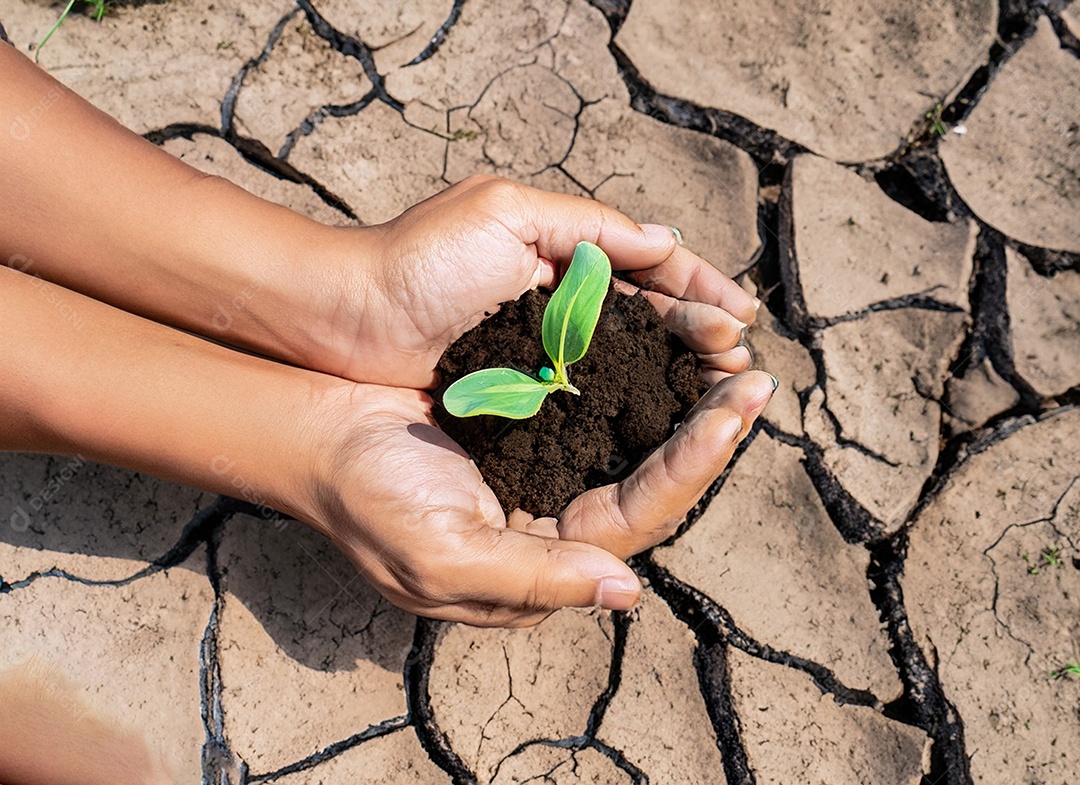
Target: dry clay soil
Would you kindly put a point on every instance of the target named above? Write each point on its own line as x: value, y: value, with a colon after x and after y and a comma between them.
x: 885, y: 586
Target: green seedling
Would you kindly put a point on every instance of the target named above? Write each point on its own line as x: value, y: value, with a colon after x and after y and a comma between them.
x: 569, y: 322
x: 97, y: 12
x: 1048, y: 557
x: 937, y: 125
x: 1072, y: 668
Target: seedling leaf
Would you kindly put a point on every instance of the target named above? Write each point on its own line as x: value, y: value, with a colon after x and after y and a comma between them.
x: 499, y: 391
x: 574, y: 309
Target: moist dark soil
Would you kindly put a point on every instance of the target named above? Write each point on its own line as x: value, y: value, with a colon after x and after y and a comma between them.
x: 637, y: 381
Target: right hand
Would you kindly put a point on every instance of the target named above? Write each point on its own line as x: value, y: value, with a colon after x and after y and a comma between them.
x: 411, y: 511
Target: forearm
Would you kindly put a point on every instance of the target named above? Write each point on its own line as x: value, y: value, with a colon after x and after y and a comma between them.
x: 81, y: 377
x: 97, y: 209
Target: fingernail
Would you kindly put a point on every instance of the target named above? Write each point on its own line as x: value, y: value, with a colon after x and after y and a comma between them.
x: 775, y: 382
x: 678, y: 235
x: 757, y: 304
x: 618, y: 593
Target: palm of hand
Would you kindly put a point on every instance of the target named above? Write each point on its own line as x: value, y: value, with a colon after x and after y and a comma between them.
x: 412, y: 512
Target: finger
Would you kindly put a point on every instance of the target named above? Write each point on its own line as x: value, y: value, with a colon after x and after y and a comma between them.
x: 556, y: 223
x: 519, y: 520
x: 705, y: 329
x: 646, y: 507
x: 529, y: 574
x: 712, y: 377
x: 735, y: 360
x: 686, y: 276
x: 544, y: 527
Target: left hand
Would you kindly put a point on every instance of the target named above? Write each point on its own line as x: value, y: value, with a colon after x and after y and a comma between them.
x: 431, y: 274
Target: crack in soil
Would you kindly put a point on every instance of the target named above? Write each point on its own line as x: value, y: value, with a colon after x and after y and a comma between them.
x: 256, y: 153
x: 376, y: 731
x: 621, y: 622
x: 1047, y: 519
x: 914, y: 177
x: 353, y: 47
x: 417, y: 676
x: 712, y: 623
x: 440, y: 34
x: 923, y: 703
x: 854, y: 522
x: 228, y: 103
x: 219, y: 766
x: 316, y: 116
x: 990, y: 335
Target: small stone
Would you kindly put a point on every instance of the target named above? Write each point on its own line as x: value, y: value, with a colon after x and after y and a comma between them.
x: 855, y: 246
x: 1044, y: 314
x: 793, y: 733
x: 1018, y: 166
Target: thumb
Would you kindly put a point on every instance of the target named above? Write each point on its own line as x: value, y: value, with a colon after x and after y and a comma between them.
x: 647, y: 507
x: 534, y: 574
x: 556, y: 223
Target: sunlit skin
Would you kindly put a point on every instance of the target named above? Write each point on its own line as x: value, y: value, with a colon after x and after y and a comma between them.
x: 336, y: 428
x: 111, y: 244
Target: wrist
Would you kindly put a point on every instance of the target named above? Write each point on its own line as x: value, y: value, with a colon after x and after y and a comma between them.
x: 115, y: 388
x: 262, y: 272
x: 290, y: 287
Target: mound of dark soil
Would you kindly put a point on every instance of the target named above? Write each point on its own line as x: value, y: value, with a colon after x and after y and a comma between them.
x: 637, y: 382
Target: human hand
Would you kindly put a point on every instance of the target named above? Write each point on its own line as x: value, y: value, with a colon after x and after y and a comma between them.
x: 423, y: 279
x: 377, y: 304
x: 412, y: 512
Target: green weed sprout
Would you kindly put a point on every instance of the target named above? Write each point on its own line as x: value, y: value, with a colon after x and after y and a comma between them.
x: 1071, y: 668
x: 99, y: 11
x: 569, y: 322
x: 937, y: 125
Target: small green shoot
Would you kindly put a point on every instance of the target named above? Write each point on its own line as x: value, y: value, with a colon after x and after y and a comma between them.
x: 569, y: 323
x: 937, y: 125
x: 98, y: 11
x: 1072, y: 668
x: 1048, y: 557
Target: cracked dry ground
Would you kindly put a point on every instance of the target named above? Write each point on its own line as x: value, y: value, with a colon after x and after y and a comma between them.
x: 876, y: 591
